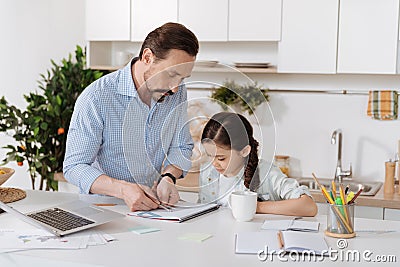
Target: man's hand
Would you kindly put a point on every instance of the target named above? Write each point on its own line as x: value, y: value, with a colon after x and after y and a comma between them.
x: 136, y: 199
x: 166, y: 191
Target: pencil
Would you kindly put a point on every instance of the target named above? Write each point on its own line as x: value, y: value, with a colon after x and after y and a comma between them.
x: 280, y: 240
x: 104, y: 204
x: 334, y: 189
x: 316, y: 180
x: 343, y: 197
x: 328, y: 198
x: 323, y: 189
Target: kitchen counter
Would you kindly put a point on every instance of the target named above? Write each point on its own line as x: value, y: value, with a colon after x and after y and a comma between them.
x: 380, y: 200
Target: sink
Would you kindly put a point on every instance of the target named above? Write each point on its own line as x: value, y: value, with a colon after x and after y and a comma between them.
x: 370, y: 188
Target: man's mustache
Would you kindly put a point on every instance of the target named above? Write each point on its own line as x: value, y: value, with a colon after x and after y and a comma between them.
x: 166, y: 92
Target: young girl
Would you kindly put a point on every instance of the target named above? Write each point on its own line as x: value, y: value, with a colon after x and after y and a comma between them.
x: 228, y: 139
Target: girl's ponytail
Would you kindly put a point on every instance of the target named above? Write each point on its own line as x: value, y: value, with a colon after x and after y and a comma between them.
x: 251, y: 174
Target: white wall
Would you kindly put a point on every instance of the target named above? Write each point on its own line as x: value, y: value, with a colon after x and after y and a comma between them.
x: 305, y: 122
x: 32, y: 33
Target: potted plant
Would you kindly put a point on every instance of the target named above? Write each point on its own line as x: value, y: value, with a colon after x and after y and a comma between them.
x: 248, y: 96
x: 41, y: 129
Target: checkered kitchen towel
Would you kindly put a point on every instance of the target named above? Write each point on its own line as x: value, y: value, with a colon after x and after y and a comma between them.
x: 382, y: 105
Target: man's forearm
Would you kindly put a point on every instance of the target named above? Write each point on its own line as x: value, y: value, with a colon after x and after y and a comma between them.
x: 106, y: 185
x: 82, y: 175
x: 174, y: 170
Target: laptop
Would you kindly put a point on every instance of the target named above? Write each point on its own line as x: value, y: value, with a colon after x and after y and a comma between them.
x: 66, y: 218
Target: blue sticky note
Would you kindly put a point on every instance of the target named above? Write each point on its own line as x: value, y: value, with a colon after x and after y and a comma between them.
x: 197, y: 237
x: 142, y: 229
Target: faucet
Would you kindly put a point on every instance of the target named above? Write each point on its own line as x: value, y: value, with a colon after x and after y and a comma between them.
x: 339, y: 173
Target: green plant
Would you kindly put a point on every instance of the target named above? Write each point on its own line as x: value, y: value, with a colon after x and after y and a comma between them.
x: 41, y: 129
x: 248, y: 96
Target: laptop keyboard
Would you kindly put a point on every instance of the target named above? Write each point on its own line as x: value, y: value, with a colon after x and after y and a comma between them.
x: 60, y: 219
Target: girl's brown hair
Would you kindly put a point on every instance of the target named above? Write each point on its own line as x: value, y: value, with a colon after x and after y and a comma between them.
x: 234, y: 131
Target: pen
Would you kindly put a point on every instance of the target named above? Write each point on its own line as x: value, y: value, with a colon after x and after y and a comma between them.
x: 280, y: 240
x: 355, y: 196
x: 158, y: 203
x: 331, y: 194
x: 349, y: 196
x: 346, y: 189
x: 164, y: 207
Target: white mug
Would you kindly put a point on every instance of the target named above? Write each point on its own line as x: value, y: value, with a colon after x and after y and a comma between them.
x: 243, y: 205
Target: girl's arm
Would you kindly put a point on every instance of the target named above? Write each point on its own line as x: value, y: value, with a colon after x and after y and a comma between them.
x: 302, y: 206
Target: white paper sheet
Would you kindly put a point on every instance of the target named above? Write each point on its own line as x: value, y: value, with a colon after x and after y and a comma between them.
x: 12, y: 260
x: 40, y: 239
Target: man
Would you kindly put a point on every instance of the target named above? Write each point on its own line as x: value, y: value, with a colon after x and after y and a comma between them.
x: 130, y: 123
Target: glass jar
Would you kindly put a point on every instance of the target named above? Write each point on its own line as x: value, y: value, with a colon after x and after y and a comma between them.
x: 340, y: 221
x: 282, y: 161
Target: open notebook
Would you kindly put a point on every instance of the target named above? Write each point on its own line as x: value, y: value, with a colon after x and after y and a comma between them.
x: 179, y: 213
x: 268, y: 241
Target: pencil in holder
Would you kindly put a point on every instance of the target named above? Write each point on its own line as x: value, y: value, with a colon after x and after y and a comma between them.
x: 340, y: 221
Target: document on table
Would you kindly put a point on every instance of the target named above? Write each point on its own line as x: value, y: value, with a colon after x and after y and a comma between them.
x: 179, y: 213
x: 39, y: 239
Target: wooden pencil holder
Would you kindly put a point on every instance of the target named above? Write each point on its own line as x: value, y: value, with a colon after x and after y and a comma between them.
x: 340, y: 221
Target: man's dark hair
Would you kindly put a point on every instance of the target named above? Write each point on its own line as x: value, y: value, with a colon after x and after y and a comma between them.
x: 170, y: 36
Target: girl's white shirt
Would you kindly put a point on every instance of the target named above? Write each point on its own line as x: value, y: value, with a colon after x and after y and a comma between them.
x: 274, y: 185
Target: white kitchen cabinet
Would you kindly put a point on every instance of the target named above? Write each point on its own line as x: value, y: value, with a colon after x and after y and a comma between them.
x: 208, y: 19
x: 255, y: 20
x: 367, y: 41
x: 150, y: 14
x: 392, y: 214
x: 108, y: 20
x: 309, y: 36
x: 368, y: 212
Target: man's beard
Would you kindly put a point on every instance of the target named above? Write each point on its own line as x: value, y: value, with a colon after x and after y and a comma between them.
x: 147, y: 75
x: 162, y: 98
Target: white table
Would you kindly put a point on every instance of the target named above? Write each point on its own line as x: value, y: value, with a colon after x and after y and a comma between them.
x: 163, y: 248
